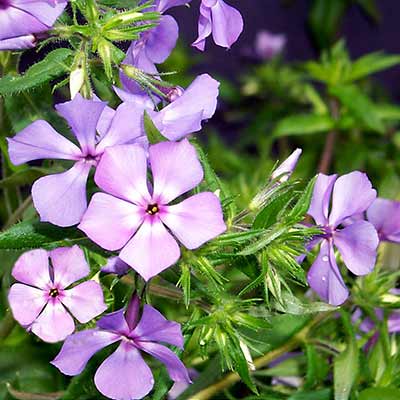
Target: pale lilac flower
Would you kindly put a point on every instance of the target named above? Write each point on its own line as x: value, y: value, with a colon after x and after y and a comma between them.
x: 285, y: 170
x: 184, y: 115
x: 334, y: 201
x: 224, y: 22
x: 134, y: 216
x: 154, y: 46
x: 124, y: 375
x: 269, y: 45
x: 384, y: 214
x: 20, y: 20
x: 61, y: 198
x: 40, y: 302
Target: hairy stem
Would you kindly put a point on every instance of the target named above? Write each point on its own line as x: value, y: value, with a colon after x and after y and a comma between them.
x: 232, y: 378
x: 17, y: 214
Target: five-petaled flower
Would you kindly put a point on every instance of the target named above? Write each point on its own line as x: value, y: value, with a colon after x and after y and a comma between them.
x: 40, y: 302
x: 134, y: 218
x: 124, y: 375
x: 334, y: 201
x: 61, y: 198
x: 20, y: 20
x: 224, y: 22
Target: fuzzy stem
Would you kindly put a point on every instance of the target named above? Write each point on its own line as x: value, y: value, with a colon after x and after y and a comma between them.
x: 232, y: 378
x: 329, y: 147
x: 16, y: 215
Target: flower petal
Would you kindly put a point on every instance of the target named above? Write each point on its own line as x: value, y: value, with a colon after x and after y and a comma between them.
x: 357, y: 244
x: 195, y: 220
x: 26, y: 303
x: 83, y: 116
x: 154, y: 327
x: 204, y: 27
x: 110, y: 222
x: 125, y: 127
x: 151, y: 250
x: 227, y: 24
x: 122, y: 172
x: 164, y: 5
x: 287, y: 167
x: 185, y: 114
x: 18, y: 43
x: 80, y: 347
x: 352, y: 194
x: 384, y: 214
x: 114, y: 322
x: 40, y: 141
x: 32, y: 268
x: 54, y: 323
x: 69, y: 265
x: 324, y: 277
x: 85, y: 301
x: 319, y: 207
x: 61, y: 198
x: 176, y: 169
x: 124, y: 375
x: 116, y: 266
x: 176, y: 370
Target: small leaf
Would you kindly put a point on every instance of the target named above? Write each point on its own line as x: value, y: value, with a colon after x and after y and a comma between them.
x: 52, y: 66
x: 23, y: 177
x: 346, y: 364
x: 377, y: 393
x: 323, y: 394
x: 153, y: 134
x: 303, y: 124
x: 303, y: 204
x: 33, y: 396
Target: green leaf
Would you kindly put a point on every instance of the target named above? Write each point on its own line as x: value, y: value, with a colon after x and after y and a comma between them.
x: 153, y: 134
x: 388, y: 112
x: 184, y: 283
x: 292, y: 305
x: 346, y: 364
x: 370, y: 64
x: 52, y: 66
x: 377, y: 393
x: 33, y: 396
x: 303, y: 204
x: 23, y: 177
x: 303, y: 124
x: 360, y: 105
x: 323, y: 394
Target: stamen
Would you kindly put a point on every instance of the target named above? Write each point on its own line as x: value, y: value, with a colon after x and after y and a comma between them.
x: 152, y: 209
x: 53, y: 293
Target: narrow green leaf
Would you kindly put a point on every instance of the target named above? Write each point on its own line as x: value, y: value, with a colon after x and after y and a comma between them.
x: 153, y: 134
x: 52, y: 66
x: 33, y: 396
x: 303, y: 124
x: 303, y: 204
x: 184, y: 283
x: 323, y: 394
x: 380, y: 393
x: 346, y: 364
x: 23, y: 177
x: 360, y: 105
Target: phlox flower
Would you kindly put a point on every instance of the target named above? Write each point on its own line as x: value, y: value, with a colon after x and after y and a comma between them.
x: 269, y: 45
x: 61, y: 198
x: 134, y: 215
x: 384, y: 214
x: 41, y: 302
x: 124, y: 375
x: 153, y: 46
x: 20, y: 20
x: 185, y: 114
x: 224, y: 22
x: 286, y: 168
x: 334, y: 201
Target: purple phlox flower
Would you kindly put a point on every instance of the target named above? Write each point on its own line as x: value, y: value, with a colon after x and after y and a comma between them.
x: 115, y: 266
x: 40, y: 302
x: 61, y: 198
x: 154, y: 46
x: 21, y: 19
x: 135, y: 218
x: 268, y: 45
x: 224, y: 22
x: 384, y: 214
x: 285, y: 170
x: 184, y: 115
x: 367, y: 325
x: 334, y: 201
x: 124, y: 375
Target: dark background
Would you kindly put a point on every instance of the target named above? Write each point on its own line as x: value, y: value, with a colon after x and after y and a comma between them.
x: 290, y: 18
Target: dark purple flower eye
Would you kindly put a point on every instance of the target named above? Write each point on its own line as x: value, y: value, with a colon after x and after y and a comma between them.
x: 4, y: 4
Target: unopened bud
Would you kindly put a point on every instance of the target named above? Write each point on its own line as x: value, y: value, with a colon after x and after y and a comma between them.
x: 286, y: 169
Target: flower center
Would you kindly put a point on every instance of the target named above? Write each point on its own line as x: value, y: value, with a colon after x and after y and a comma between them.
x: 4, y: 4
x: 152, y: 209
x: 53, y: 293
